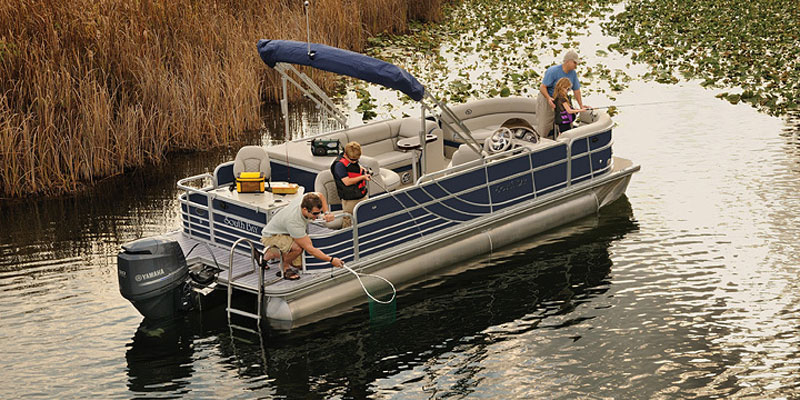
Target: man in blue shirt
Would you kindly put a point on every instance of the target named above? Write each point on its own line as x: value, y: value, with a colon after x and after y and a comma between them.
x: 545, y: 107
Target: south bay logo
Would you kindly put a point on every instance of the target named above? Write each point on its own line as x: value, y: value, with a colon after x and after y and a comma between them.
x: 245, y: 226
x: 510, y: 185
x: 149, y: 275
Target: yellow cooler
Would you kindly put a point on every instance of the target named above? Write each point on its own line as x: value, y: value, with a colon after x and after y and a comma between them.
x: 250, y: 182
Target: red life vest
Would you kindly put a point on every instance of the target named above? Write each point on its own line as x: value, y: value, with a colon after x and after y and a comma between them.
x: 352, y: 192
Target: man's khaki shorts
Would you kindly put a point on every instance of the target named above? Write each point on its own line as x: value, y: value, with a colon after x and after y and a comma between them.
x: 284, y: 243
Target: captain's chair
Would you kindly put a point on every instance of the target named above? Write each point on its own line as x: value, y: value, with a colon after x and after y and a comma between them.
x: 383, y: 179
x: 251, y: 159
x: 463, y: 155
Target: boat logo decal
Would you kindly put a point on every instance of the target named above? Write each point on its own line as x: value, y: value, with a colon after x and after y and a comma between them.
x: 149, y: 275
x: 245, y: 226
x: 510, y: 185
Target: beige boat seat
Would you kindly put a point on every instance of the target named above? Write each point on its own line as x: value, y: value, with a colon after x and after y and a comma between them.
x: 463, y: 155
x: 382, y: 178
x: 251, y: 159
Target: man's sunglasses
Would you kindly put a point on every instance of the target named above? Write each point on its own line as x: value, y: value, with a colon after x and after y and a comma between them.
x: 314, y: 213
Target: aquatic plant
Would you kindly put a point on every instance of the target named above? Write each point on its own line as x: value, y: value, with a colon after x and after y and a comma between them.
x: 753, y: 46
x: 89, y: 89
x: 485, y: 48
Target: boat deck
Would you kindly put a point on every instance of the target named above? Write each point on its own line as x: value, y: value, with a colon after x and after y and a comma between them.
x: 244, y: 277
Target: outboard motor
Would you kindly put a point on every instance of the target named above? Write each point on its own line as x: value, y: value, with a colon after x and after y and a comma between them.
x: 153, y: 276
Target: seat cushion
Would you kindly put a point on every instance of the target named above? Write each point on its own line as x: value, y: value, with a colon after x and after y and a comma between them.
x: 371, y: 133
x: 325, y: 184
x: 409, y: 127
x: 463, y: 155
x: 375, y: 149
x: 391, y: 179
x: 395, y: 159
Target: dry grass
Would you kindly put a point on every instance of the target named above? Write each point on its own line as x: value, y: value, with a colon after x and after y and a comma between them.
x: 90, y: 88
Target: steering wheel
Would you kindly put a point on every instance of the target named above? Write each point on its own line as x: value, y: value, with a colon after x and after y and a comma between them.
x: 499, y: 142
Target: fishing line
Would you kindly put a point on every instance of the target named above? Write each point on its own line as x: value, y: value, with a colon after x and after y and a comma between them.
x: 635, y: 104
x: 358, y: 276
x: 398, y: 200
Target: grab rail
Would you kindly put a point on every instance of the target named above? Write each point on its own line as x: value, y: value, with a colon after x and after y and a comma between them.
x: 232, y: 279
x: 188, y: 191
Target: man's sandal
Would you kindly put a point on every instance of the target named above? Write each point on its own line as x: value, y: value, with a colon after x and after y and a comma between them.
x: 290, y: 274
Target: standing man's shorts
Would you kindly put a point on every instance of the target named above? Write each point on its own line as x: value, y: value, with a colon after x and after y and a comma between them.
x: 284, y: 243
x: 544, y: 116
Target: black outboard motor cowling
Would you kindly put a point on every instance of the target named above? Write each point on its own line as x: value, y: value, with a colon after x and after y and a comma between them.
x: 153, y: 276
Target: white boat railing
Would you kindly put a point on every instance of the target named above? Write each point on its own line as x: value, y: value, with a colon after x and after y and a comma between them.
x: 193, y: 224
x: 199, y: 215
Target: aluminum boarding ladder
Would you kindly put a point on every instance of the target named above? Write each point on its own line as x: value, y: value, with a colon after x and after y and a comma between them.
x: 232, y: 283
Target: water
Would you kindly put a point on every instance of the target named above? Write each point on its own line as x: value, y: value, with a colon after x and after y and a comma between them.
x: 687, y: 287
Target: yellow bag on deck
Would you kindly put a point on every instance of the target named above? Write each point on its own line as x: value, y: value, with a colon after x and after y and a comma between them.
x: 250, y: 182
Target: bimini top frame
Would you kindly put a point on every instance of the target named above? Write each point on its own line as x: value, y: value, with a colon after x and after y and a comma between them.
x: 283, y: 54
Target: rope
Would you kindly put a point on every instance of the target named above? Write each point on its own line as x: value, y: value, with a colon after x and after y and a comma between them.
x: 358, y: 276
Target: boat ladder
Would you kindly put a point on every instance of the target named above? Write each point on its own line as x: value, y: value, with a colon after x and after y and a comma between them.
x: 234, y: 283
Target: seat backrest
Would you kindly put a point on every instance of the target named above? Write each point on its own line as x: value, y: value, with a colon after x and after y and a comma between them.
x: 409, y: 127
x: 377, y: 184
x: 463, y: 155
x: 325, y: 184
x: 251, y: 159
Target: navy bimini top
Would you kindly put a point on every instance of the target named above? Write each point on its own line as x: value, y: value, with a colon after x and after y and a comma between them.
x: 342, y: 62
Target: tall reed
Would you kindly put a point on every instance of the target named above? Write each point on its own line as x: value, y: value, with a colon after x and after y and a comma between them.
x: 89, y: 88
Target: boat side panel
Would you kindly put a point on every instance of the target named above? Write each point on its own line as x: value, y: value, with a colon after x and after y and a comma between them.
x: 551, y: 178
x: 601, y: 160
x: 475, y: 201
x: 599, y: 140
x: 497, y: 171
x: 512, y: 191
x: 339, y: 245
x: 579, y: 146
x: 580, y: 169
x: 549, y: 155
x: 223, y: 175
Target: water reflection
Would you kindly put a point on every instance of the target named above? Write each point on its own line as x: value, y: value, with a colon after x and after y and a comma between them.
x: 160, y: 358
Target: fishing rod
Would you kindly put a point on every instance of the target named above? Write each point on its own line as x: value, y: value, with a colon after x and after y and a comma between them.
x: 635, y: 104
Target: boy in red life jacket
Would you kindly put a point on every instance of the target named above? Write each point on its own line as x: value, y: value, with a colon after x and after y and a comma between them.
x: 351, y: 179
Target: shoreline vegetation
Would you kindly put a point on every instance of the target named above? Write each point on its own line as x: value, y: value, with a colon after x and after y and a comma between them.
x: 90, y: 89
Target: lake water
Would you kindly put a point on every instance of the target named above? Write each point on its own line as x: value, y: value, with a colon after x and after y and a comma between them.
x: 688, y: 287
